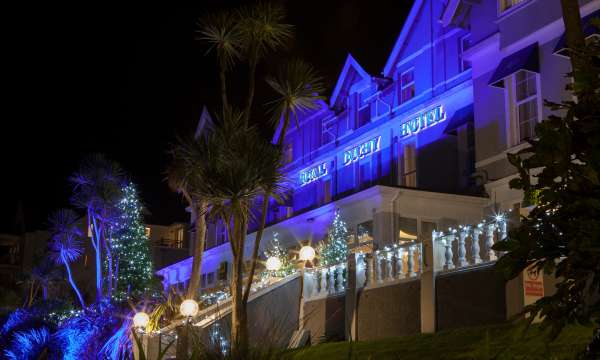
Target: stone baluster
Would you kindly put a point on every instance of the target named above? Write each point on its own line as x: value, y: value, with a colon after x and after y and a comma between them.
x: 389, y: 265
x: 340, y: 277
x: 370, y: 278
x: 475, y: 244
x: 378, y: 271
x: 448, y: 239
x: 331, y: 272
x: 308, y: 284
x: 489, y: 242
x: 400, y: 263
x: 323, y: 285
x: 462, y: 250
x: 503, y: 229
x: 419, y: 248
x: 410, y: 262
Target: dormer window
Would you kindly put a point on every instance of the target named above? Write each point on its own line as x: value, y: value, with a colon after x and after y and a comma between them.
x: 407, y: 86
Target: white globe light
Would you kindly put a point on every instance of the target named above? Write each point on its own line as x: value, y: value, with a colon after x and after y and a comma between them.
x: 307, y: 253
x: 140, y: 320
x: 273, y: 263
x: 188, y: 308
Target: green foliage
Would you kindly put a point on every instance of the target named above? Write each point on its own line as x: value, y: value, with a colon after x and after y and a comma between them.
x: 561, y: 234
x: 131, y: 250
x: 335, y: 249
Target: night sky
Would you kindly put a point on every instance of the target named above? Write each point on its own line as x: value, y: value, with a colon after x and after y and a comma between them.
x: 124, y: 81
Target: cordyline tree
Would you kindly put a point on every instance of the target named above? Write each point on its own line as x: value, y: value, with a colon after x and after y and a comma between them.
x: 97, y: 188
x: 243, y: 38
x: 560, y: 175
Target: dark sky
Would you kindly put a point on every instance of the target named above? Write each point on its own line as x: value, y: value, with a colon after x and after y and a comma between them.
x: 125, y: 80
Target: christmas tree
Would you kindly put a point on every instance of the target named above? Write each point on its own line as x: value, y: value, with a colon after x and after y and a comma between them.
x: 335, y: 249
x: 276, y: 250
x: 130, y: 249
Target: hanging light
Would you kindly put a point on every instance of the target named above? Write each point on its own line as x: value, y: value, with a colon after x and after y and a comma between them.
x: 140, y: 320
x: 307, y: 253
x: 273, y: 263
x: 188, y: 308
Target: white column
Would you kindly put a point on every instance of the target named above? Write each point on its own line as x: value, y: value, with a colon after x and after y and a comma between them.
x: 489, y: 242
x: 340, y: 277
x: 448, y: 239
x: 477, y: 230
x: 400, y: 263
x: 462, y: 250
x: 410, y: 262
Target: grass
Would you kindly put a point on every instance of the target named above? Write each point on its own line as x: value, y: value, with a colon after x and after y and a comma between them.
x: 504, y: 341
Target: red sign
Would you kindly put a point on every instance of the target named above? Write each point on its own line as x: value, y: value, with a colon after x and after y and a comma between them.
x: 533, y: 283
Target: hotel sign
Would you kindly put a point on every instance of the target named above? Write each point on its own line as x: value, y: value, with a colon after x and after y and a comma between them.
x: 309, y: 175
x: 361, y: 150
x: 423, y: 121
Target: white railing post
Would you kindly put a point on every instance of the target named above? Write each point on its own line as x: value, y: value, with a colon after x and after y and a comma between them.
x: 323, y: 283
x: 410, y: 261
x: 331, y: 272
x: 477, y: 230
x: 400, y: 263
x: 340, y: 277
x: 448, y: 239
x: 307, y: 280
x: 389, y: 265
x: 489, y: 242
x: 378, y: 270
x: 462, y: 250
x: 370, y: 263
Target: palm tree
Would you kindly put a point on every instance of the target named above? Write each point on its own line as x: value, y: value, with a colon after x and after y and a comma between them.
x: 239, y: 166
x: 65, y: 244
x: 297, y: 86
x: 40, y: 277
x: 183, y: 175
x: 97, y: 186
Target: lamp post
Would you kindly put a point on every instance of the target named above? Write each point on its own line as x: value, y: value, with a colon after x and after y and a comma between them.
x: 307, y: 254
x: 188, y: 309
x: 140, y: 321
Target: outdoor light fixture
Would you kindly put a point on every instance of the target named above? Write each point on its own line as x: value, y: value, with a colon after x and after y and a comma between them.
x: 188, y: 308
x: 307, y: 253
x: 140, y: 320
x: 273, y: 263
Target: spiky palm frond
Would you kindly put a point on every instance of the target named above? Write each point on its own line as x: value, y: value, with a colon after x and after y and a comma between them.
x: 298, y: 86
x: 222, y: 33
x: 237, y: 165
x: 97, y: 184
x: 65, y: 244
x: 263, y: 29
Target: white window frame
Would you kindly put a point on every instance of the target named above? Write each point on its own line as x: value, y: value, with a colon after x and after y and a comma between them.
x: 462, y: 52
x: 404, y: 86
x: 514, y: 5
x: 512, y: 107
x: 405, y: 174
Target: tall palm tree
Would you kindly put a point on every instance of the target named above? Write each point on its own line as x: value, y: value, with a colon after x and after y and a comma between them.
x: 239, y: 167
x: 183, y: 175
x: 65, y: 244
x: 297, y: 86
x: 97, y: 187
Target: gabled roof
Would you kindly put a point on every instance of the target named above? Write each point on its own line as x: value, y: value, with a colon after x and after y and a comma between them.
x: 351, y: 74
x: 204, y: 124
x: 388, y: 69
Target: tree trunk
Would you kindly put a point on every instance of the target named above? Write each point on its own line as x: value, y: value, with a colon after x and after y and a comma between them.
x: 257, y: 239
x: 200, y: 234
x: 574, y: 35
x: 223, y: 78
x: 96, y: 236
x: 251, y: 86
x: 72, y: 282
x: 239, y: 326
x: 286, y: 124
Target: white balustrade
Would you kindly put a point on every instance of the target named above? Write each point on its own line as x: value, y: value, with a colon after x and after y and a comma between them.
x: 389, y: 265
x: 462, y: 250
x: 475, y: 244
x: 449, y: 256
x: 331, y: 274
x: 489, y: 241
x: 379, y: 261
x: 339, y: 278
x: 323, y: 283
x: 400, y: 263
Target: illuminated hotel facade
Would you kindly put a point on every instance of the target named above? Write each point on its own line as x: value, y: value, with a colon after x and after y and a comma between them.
x: 421, y: 146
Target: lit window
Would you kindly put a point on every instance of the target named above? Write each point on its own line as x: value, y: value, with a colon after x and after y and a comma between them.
x: 409, y: 165
x: 504, y: 5
x: 407, y: 86
x: 524, y: 114
x: 465, y: 44
x: 147, y: 231
x: 179, y: 238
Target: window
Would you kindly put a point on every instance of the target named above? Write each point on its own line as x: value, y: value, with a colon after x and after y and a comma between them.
x: 504, y: 5
x: 147, y: 232
x: 328, y: 131
x: 179, y: 238
x: 221, y: 234
x: 210, y: 278
x: 465, y: 44
x: 327, y: 190
x: 407, y: 86
x: 288, y: 156
x: 524, y: 106
x: 409, y: 165
x: 364, y: 231
x: 364, y: 114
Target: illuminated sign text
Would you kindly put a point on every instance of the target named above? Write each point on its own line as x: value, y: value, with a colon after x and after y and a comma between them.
x: 362, y: 150
x: 309, y: 175
x: 423, y: 121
